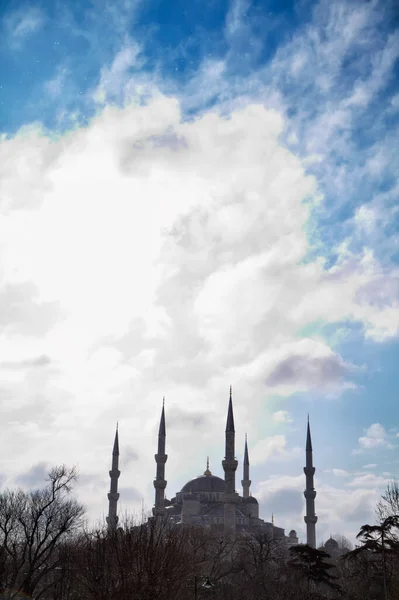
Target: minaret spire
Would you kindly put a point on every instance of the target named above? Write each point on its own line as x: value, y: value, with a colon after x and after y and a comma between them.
x: 230, y: 416
x: 310, y: 493
x: 160, y: 459
x: 230, y: 467
x: 246, y: 482
x: 113, y: 495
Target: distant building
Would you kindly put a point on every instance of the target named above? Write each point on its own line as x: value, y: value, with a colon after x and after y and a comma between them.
x: 212, y: 502
x: 332, y: 548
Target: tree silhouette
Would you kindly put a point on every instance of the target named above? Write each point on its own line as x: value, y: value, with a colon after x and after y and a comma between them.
x: 33, y: 527
x: 381, y: 541
x: 313, y: 566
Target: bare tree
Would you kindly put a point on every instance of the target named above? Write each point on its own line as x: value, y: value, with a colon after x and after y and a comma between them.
x: 388, y: 506
x: 140, y: 561
x: 343, y: 542
x: 33, y: 526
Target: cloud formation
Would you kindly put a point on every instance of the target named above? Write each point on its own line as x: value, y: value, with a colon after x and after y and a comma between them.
x: 197, y: 229
x: 282, y: 416
x: 22, y: 23
x: 376, y: 437
x: 169, y: 265
x: 272, y: 447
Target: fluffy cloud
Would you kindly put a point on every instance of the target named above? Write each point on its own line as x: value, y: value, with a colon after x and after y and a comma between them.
x: 113, y: 78
x: 340, y: 473
x: 344, y: 510
x: 338, y: 508
x: 320, y: 370
x: 368, y: 481
x: 375, y: 437
x: 150, y: 254
x: 34, y: 477
x: 142, y: 254
x: 272, y: 447
x: 38, y: 361
x: 281, y: 416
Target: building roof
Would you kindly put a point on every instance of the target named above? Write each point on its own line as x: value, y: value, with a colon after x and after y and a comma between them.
x: 205, y: 483
x: 331, y: 544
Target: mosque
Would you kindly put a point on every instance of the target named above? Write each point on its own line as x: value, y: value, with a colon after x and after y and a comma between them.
x: 212, y: 502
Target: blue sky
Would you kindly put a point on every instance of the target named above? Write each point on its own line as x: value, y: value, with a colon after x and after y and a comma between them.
x: 191, y: 197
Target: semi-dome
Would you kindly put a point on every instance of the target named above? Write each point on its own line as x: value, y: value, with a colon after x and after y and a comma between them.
x: 204, y: 483
x: 331, y: 544
x: 250, y: 500
x: 292, y: 533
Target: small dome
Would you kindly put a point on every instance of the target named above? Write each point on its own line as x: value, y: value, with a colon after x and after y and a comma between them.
x: 205, y: 483
x: 331, y: 544
x: 293, y: 533
x: 250, y: 500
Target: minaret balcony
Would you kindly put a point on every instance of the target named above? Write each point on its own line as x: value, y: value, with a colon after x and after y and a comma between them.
x: 113, y: 496
x: 310, y: 519
x: 311, y: 494
x: 114, y: 473
x: 160, y: 483
x: 161, y: 458
x: 229, y: 464
x: 309, y: 470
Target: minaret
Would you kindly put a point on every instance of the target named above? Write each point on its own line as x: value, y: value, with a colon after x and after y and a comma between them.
x: 160, y: 459
x: 309, y: 493
x: 230, y: 465
x: 246, y: 482
x: 113, y: 495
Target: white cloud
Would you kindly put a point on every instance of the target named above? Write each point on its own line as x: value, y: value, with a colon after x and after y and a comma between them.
x: 168, y: 257
x: 340, y: 473
x: 368, y: 480
x: 272, y: 447
x: 376, y: 437
x: 146, y: 253
x: 114, y: 79
x: 365, y: 218
x: 340, y: 509
x: 54, y: 86
x: 236, y: 16
x: 22, y: 23
x: 382, y: 65
x: 281, y: 416
x: 344, y: 510
x: 370, y: 466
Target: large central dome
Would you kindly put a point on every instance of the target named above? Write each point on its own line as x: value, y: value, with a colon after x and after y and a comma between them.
x: 205, y: 483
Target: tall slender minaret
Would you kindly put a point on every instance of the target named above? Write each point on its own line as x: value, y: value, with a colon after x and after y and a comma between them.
x: 160, y: 459
x: 246, y: 482
x: 310, y: 493
x: 113, y: 495
x: 230, y: 466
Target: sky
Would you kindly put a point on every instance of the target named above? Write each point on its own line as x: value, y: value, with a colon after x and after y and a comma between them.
x: 197, y: 195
